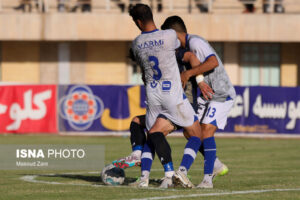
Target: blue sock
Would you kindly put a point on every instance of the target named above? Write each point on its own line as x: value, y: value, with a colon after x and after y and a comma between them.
x: 201, y: 149
x: 169, y: 169
x: 137, y: 147
x: 147, y: 156
x: 209, y: 154
x: 190, y: 152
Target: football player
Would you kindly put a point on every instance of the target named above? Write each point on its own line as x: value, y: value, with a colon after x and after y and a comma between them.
x: 167, y: 104
x: 221, y: 100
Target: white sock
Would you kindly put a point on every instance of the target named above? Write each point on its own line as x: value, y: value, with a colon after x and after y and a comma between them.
x: 169, y: 174
x: 218, y: 163
x: 183, y: 170
x: 145, y: 174
x: 137, y: 153
x: 208, y: 177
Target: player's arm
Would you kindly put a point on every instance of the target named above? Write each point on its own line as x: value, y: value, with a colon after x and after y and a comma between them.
x: 194, y: 62
x: 201, y: 68
x: 206, y: 55
x: 191, y: 58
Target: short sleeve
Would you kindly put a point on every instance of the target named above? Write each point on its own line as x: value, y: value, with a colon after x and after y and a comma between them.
x: 173, y: 36
x: 201, y: 49
x: 177, y: 45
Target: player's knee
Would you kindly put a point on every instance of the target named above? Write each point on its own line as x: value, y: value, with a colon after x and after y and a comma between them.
x: 165, y: 131
x: 136, y: 119
x: 194, y: 130
x: 208, y: 130
x: 162, y: 125
x: 186, y: 135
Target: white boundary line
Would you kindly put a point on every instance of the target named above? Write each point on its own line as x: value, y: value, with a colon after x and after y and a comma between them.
x: 32, y: 179
x: 220, y: 194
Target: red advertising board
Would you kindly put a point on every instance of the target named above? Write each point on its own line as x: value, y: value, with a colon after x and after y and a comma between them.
x: 28, y: 109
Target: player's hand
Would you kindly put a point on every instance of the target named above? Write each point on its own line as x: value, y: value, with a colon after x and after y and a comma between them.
x: 184, y: 78
x: 206, y: 90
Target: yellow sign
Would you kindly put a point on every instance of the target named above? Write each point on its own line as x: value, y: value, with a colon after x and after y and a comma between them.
x: 134, y: 97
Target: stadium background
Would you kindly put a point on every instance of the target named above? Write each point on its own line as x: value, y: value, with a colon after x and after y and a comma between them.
x: 66, y: 43
x: 52, y: 50
x: 55, y: 47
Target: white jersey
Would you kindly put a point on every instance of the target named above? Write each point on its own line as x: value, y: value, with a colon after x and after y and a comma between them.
x: 217, y: 78
x: 222, y: 101
x: 155, y: 53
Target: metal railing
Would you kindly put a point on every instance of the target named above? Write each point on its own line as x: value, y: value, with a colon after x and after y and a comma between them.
x: 164, y: 6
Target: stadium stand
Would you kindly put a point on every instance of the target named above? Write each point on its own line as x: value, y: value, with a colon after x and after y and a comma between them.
x: 178, y: 6
x: 96, y: 40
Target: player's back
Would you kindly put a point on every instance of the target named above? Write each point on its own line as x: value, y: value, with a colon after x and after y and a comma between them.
x: 155, y: 53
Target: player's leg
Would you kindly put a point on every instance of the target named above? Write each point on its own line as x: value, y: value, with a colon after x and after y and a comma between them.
x: 184, y: 116
x: 137, y: 140
x: 146, y: 163
x: 137, y: 134
x: 161, y: 128
x: 215, y: 117
x: 156, y: 142
x: 190, y: 152
x: 209, y: 146
x: 220, y: 169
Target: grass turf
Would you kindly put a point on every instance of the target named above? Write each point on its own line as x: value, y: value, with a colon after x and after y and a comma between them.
x: 254, y: 164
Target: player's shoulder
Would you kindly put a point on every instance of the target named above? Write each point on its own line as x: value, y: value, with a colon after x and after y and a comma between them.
x: 136, y: 41
x: 195, y: 40
x: 169, y: 33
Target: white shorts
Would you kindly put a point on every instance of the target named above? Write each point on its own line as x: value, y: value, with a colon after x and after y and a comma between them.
x: 181, y: 114
x: 216, y: 113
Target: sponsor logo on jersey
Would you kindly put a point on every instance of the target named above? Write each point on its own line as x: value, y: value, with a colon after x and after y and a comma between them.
x: 166, y: 86
x: 150, y: 44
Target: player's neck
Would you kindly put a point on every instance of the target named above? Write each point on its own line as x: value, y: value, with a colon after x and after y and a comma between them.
x: 149, y: 27
x: 182, y: 39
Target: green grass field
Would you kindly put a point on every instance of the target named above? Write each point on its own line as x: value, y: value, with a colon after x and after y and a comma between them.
x: 256, y: 168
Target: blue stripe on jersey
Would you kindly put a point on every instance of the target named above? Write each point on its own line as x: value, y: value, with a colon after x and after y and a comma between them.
x: 150, y: 31
x: 209, y: 57
x: 195, y: 118
x: 228, y: 98
x: 184, y: 96
x: 214, y: 123
x: 187, y: 45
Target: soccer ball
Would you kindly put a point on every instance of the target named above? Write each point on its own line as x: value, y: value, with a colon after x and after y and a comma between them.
x: 112, y: 175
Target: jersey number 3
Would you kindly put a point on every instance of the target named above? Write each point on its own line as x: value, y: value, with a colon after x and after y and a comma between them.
x: 156, y: 71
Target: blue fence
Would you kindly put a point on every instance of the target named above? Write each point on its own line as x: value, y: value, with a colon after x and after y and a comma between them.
x: 111, y: 108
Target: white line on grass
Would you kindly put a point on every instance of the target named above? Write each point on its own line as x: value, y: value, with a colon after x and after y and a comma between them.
x: 32, y: 179
x: 219, y: 194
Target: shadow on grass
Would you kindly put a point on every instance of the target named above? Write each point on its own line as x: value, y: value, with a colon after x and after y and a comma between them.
x: 96, y: 179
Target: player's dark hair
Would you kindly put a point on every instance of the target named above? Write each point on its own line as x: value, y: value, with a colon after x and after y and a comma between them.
x: 174, y: 22
x: 141, y: 12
